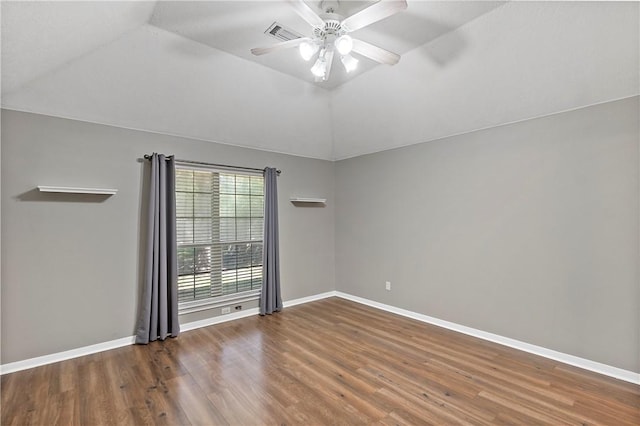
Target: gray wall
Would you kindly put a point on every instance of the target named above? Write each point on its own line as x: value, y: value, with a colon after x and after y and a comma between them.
x: 70, y: 263
x: 527, y: 230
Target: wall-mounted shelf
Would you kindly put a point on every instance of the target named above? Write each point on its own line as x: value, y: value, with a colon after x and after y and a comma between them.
x: 76, y: 190
x: 307, y: 200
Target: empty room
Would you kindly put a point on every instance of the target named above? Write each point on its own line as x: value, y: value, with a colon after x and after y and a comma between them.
x: 304, y: 212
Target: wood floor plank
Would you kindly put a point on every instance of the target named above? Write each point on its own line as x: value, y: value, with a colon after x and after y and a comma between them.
x: 327, y: 362
x: 194, y: 402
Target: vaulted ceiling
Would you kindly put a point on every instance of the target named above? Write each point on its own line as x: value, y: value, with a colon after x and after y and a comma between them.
x: 236, y: 27
x: 185, y: 68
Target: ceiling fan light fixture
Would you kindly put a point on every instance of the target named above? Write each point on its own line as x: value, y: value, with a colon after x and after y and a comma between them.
x: 350, y: 63
x: 330, y: 35
x: 344, y: 44
x: 307, y: 50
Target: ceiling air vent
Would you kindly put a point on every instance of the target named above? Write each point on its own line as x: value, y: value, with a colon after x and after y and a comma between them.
x: 281, y: 33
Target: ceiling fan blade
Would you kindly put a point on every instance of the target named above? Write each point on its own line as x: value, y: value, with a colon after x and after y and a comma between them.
x: 376, y: 53
x: 306, y: 13
x: 278, y: 46
x: 373, y: 13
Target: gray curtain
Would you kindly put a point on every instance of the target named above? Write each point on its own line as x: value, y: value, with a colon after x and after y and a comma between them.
x: 270, y: 298
x: 158, y: 313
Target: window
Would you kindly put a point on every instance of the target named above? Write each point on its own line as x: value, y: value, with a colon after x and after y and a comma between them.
x: 219, y: 225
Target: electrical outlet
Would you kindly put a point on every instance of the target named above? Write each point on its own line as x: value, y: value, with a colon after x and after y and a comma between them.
x: 387, y: 285
x: 226, y: 310
x: 238, y: 307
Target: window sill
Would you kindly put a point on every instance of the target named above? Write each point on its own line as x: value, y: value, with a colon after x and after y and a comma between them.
x: 217, y: 302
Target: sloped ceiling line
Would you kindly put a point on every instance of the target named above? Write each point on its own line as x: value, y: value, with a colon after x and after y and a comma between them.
x: 39, y: 38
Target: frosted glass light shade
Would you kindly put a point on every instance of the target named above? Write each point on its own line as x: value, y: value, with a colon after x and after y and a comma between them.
x: 307, y: 50
x: 350, y: 63
x: 344, y: 44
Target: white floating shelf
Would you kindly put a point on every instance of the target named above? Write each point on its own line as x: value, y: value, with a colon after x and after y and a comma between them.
x: 308, y: 200
x: 76, y: 190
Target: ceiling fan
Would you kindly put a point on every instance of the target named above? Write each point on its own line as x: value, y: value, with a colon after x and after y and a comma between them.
x: 330, y: 35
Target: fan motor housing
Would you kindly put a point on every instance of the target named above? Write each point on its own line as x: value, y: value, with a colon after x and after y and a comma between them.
x: 331, y: 26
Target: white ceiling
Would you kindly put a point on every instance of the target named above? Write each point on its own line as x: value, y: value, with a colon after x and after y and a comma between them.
x: 38, y: 37
x: 522, y: 60
x: 184, y: 68
x: 236, y: 27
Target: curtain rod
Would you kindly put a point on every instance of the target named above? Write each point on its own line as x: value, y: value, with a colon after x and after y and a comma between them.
x: 148, y: 157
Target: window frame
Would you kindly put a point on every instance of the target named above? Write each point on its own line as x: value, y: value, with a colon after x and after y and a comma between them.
x: 198, y: 305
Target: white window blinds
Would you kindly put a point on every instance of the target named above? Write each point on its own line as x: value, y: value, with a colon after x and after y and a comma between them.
x: 219, y: 225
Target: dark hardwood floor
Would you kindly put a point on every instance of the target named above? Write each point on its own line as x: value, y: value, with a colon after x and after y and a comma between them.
x: 326, y: 362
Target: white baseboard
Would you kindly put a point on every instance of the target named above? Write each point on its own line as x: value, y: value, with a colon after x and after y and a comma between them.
x: 218, y: 320
x: 62, y: 356
x: 607, y: 370
x: 249, y: 312
x: 125, y: 341
x: 597, y: 367
x: 308, y: 299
